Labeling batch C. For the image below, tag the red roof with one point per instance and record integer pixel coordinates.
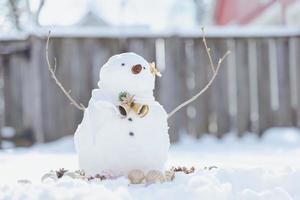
(243, 11)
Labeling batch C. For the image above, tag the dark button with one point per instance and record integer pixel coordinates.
(130, 119)
(131, 133)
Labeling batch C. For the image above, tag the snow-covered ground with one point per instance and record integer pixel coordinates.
(247, 169)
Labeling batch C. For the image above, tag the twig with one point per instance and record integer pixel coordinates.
(215, 73)
(15, 12)
(52, 70)
(38, 12)
(208, 51)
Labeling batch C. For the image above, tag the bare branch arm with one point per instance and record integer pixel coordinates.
(208, 51)
(215, 73)
(15, 12)
(37, 14)
(52, 70)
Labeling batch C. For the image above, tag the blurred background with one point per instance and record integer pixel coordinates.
(258, 86)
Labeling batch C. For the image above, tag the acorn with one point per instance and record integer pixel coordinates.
(155, 176)
(136, 176)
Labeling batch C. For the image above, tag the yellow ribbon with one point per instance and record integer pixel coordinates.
(154, 70)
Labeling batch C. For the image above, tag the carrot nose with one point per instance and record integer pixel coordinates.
(136, 69)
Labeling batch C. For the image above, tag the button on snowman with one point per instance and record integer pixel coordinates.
(123, 127)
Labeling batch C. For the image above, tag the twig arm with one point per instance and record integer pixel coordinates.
(52, 70)
(208, 52)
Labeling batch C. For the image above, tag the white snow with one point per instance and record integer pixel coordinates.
(144, 32)
(247, 169)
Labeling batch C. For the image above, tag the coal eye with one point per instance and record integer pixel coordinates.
(144, 67)
(123, 64)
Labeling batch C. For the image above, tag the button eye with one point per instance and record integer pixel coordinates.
(123, 64)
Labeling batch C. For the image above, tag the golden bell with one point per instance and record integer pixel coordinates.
(140, 110)
(124, 109)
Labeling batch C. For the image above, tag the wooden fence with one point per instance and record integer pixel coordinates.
(257, 87)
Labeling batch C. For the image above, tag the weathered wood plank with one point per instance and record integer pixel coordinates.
(232, 84)
(284, 114)
(75, 79)
(52, 97)
(242, 87)
(37, 117)
(172, 86)
(13, 92)
(218, 98)
(198, 67)
(49, 93)
(190, 85)
(264, 89)
(253, 84)
(2, 110)
(145, 47)
(294, 60)
(297, 65)
(26, 87)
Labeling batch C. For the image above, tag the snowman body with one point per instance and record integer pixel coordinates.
(105, 140)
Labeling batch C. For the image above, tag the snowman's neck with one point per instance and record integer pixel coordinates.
(139, 96)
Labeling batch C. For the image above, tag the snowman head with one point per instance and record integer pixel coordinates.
(127, 72)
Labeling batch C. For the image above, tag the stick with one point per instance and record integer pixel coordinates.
(208, 51)
(52, 70)
(215, 73)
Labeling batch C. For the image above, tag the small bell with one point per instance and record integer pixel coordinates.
(124, 110)
(140, 110)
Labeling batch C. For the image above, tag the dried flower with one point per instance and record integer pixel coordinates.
(183, 169)
(60, 173)
(101, 177)
(97, 177)
(210, 167)
(154, 70)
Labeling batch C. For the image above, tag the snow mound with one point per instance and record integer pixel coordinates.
(223, 184)
(245, 168)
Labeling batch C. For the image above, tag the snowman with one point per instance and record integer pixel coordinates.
(123, 127)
